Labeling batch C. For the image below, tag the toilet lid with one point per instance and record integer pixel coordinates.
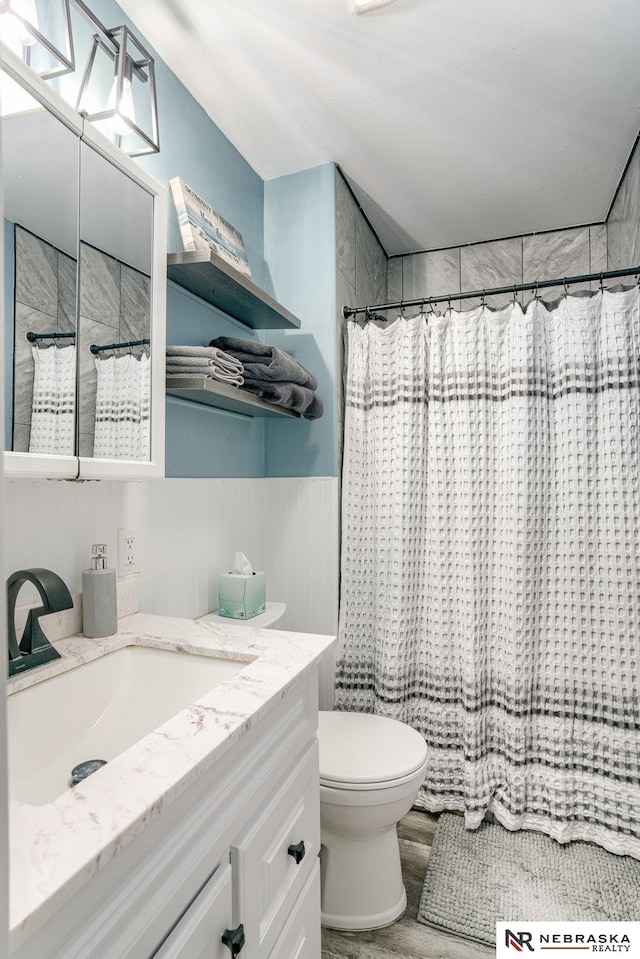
(363, 748)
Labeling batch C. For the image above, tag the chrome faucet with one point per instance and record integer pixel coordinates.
(34, 649)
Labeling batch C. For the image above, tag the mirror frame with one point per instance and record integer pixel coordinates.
(41, 465)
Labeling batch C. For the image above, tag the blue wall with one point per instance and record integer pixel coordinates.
(300, 248)
(295, 237)
(202, 441)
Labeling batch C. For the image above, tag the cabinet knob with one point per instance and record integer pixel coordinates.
(234, 940)
(297, 851)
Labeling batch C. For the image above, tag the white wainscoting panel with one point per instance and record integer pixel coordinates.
(190, 530)
(286, 527)
(52, 524)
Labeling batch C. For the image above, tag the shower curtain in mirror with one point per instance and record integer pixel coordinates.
(53, 405)
(491, 557)
(123, 407)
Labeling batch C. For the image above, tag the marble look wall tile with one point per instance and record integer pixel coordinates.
(346, 212)
(26, 318)
(561, 253)
(36, 281)
(624, 222)
(346, 296)
(431, 274)
(614, 241)
(549, 255)
(394, 278)
(85, 444)
(67, 275)
(486, 265)
(598, 247)
(630, 219)
(135, 305)
(21, 437)
(371, 266)
(99, 286)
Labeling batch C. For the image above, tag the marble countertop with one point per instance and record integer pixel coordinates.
(56, 848)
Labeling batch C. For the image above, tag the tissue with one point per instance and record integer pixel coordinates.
(241, 565)
(241, 592)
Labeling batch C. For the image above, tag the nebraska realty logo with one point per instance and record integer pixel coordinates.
(562, 937)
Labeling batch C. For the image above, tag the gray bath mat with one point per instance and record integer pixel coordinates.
(477, 878)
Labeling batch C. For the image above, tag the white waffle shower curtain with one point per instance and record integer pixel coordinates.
(491, 557)
(123, 407)
(53, 409)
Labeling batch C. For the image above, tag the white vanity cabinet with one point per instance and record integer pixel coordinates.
(198, 935)
(238, 846)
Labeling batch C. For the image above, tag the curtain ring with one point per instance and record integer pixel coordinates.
(515, 294)
(566, 288)
(536, 292)
(602, 282)
(449, 302)
(483, 298)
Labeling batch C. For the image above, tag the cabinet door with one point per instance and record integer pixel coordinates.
(198, 935)
(300, 938)
(40, 143)
(273, 860)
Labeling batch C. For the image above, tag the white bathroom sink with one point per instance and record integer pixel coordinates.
(99, 709)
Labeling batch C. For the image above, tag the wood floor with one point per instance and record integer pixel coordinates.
(406, 938)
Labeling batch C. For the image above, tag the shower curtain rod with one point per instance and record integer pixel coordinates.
(514, 288)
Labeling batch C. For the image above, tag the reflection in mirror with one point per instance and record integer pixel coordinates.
(40, 158)
(116, 231)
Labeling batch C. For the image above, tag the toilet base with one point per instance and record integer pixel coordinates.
(365, 923)
(361, 879)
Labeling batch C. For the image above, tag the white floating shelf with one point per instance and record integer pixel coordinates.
(209, 392)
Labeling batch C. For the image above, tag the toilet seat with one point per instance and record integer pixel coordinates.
(360, 751)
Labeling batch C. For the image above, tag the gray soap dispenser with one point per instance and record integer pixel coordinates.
(99, 596)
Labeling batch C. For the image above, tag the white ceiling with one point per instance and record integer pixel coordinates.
(454, 120)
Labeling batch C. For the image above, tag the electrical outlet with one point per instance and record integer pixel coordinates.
(128, 551)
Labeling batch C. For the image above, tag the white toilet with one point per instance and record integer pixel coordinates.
(371, 769)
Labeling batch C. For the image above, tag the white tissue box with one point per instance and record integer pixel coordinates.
(240, 596)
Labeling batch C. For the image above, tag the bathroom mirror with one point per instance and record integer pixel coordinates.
(40, 167)
(84, 293)
(114, 339)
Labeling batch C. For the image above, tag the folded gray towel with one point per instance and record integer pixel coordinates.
(291, 396)
(196, 373)
(201, 362)
(219, 375)
(267, 363)
(202, 354)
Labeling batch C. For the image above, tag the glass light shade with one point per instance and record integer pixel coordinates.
(123, 112)
(39, 31)
(118, 91)
(16, 23)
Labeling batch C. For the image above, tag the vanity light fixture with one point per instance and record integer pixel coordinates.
(128, 112)
(39, 31)
(364, 6)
